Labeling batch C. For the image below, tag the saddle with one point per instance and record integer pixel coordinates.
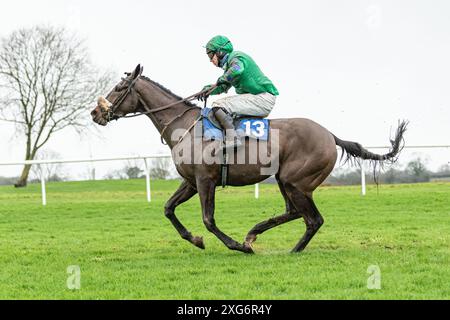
(245, 126)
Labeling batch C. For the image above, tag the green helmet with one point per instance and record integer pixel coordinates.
(219, 43)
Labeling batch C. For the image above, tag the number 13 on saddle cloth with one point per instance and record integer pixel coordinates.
(255, 128)
(248, 110)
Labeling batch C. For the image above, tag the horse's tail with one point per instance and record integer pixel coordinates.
(355, 150)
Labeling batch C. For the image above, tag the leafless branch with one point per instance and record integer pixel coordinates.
(47, 83)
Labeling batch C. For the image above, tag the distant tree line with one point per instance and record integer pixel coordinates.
(162, 168)
(414, 171)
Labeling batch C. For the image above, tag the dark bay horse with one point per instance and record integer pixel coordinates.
(306, 156)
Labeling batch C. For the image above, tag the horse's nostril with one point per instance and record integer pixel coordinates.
(94, 113)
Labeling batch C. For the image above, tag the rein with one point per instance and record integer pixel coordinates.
(114, 106)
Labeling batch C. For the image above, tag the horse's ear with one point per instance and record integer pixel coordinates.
(137, 71)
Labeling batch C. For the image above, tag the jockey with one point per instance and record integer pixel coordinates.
(256, 94)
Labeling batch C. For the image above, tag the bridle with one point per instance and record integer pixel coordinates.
(110, 113)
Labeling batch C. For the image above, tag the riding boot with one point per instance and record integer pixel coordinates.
(226, 121)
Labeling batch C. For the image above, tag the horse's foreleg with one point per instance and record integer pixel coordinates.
(184, 193)
(206, 191)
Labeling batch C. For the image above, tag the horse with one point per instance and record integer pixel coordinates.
(307, 154)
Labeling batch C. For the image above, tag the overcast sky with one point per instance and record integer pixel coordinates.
(354, 66)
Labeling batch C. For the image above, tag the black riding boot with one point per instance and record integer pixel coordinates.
(226, 121)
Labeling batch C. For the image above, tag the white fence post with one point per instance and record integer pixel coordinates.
(44, 195)
(147, 180)
(257, 191)
(363, 179)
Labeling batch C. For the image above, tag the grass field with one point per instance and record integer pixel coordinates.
(126, 248)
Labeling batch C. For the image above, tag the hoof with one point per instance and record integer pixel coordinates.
(198, 242)
(249, 240)
(247, 248)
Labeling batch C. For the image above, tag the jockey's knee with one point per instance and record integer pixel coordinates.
(216, 108)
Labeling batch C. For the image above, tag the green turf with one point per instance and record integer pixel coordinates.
(127, 249)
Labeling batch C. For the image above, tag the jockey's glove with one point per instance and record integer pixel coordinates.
(204, 95)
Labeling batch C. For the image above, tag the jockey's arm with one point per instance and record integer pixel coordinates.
(234, 70)
(232, 73)
(221, 88)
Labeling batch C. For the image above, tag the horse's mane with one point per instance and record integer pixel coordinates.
(168, 91)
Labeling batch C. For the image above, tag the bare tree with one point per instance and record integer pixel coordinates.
(133, 170)
(47, 83)
(418, 170)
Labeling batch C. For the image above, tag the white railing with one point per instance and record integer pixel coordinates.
(144, 158)
(147, 167)
(44, 162)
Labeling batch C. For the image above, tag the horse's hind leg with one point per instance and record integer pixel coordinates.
(269, 224)
(308, 210)
(291, 214)
(183, 194)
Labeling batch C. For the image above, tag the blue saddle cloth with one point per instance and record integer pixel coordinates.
(255, 128)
